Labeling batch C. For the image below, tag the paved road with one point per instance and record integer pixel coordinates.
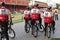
(21, 35)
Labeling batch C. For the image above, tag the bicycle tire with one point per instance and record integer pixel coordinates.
(42, 30)
(35, 31)
(48, 31)
(27, 28)
(13, 33)
(42, 27)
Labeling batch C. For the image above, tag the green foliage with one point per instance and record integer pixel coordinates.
(55, 39)
(17, 18)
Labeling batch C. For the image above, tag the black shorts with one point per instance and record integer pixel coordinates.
(5, 25)
(26, 20)
(33, 21)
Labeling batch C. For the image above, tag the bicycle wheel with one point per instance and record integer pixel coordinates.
(27, 28)
(11, 33)
(35, 31)
(49, 31)
(42, 28)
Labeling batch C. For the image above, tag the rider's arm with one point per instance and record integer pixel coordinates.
(31, 11)
(24, 14)
(10, 17)
(52, 16)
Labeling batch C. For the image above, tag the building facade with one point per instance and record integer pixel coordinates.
(20, 5)
(15, 5)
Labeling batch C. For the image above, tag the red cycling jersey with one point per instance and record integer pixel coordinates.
(27, 14)
(35, 13)
(47, 17)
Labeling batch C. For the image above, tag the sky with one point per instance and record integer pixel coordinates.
(56, 1)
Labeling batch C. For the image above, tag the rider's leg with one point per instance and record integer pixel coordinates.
(6, 30)
(6, 33)
(2, 33)
(53, 24)
(45, 28)
(26, 21)
(40, 21)
(32, 24)
(57, 16)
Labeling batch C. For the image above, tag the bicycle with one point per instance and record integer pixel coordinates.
(49, 30)
(11, 32)
(36, 28)
(27, 26)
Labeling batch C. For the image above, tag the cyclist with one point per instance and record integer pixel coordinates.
(5, 17)
(27, 15)
(35, 15)
(48, 17)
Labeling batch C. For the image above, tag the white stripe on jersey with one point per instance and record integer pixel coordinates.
(35, 10)
(4, 11)
(26, 12)
(48, 14)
